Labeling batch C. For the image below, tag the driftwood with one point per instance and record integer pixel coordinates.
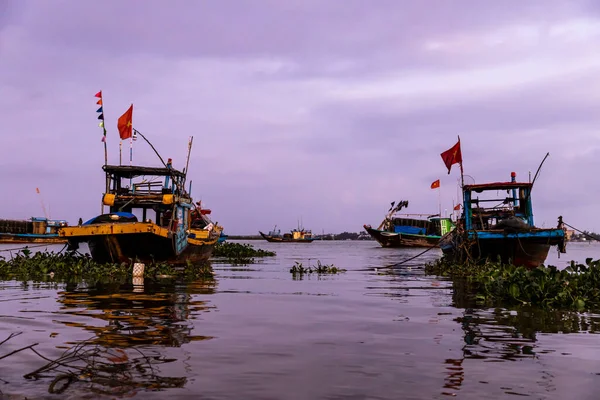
(110, 371)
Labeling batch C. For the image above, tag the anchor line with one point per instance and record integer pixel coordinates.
(409, 259)
(583, 233)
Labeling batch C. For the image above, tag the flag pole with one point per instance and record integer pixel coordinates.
(100, 102)
(120, 152)
(462, 179)
(440, 199)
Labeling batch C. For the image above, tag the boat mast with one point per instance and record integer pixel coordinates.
(187, 161)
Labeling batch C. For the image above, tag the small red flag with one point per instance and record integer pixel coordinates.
(452, 156)
(457, 207)
(125, 124)
(99, 94)
(435, 184)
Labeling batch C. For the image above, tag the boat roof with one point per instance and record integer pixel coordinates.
(131, 171)
(496, 186)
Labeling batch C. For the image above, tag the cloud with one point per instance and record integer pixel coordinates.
(302, 108)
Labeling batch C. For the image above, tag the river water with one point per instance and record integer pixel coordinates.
(256, 332)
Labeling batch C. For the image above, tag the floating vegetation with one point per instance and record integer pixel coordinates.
(238, 253)
(69, 267)
(575, 287)
(299, 269)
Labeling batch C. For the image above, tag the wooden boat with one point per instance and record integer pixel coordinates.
(299, 235)
(504, 230)
(409, 230)
(149, 220)
(35, 230)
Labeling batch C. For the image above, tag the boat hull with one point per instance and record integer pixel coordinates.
(138, 242)
(285, 240)
(31, 238)
(515, 249)
(393, 240)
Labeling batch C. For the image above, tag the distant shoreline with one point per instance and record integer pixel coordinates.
(253, 237)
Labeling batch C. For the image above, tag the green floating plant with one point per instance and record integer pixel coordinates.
(493, 283)
(238, 253)
(69, 267)
(300, 269)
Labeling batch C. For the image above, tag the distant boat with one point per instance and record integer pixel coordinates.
(299, 235)
(501, 226)
(409, 230)
(35, 230)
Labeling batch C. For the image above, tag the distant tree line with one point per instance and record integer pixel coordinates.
(345, 236)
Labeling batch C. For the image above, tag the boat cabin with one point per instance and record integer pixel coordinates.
(432, 225)
(149, 194)
(498, 205)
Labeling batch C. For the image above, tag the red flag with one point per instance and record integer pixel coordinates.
(452, 156)
(435, 184)
(99, 102)
(457, 207)
(99, 94)
(125, 124)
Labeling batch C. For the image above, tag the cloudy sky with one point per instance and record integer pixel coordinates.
(320, 110)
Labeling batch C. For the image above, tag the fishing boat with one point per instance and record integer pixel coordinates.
(34, 230)
(299, 235)
(409, 230)
(503, 230)
(202, 220)
(151, 218)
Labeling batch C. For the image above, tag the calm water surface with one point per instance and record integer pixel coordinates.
(255, 332)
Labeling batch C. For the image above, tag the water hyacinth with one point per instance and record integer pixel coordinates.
(238, 253)
(299, 269)
(575, 287)
(68, 267)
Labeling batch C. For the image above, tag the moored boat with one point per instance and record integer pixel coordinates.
(34, 230)
(504, 230)
(171, 228)
(299, 235)
(409, 230)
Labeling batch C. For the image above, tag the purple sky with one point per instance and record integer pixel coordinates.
(303, 108)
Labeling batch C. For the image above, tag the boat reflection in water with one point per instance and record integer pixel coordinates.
(504, 336)
(133, 328)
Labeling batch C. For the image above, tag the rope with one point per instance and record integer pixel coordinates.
(408, 259)
(583, 233)
(28, 247)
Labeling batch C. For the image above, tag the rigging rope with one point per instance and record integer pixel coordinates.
(408, 259)
(583, 233)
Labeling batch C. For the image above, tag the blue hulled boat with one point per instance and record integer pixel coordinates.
(500, 226)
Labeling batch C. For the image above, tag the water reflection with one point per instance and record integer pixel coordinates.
(131, 325)
(505, 335)
(160, 314)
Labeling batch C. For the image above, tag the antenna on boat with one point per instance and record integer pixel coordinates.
(42, 201)
(187, 160)
(147, 141)
(538, 170)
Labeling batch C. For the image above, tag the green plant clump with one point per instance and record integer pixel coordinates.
(299, 269)
(68, 267)
(575, 287)
(238, 253)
